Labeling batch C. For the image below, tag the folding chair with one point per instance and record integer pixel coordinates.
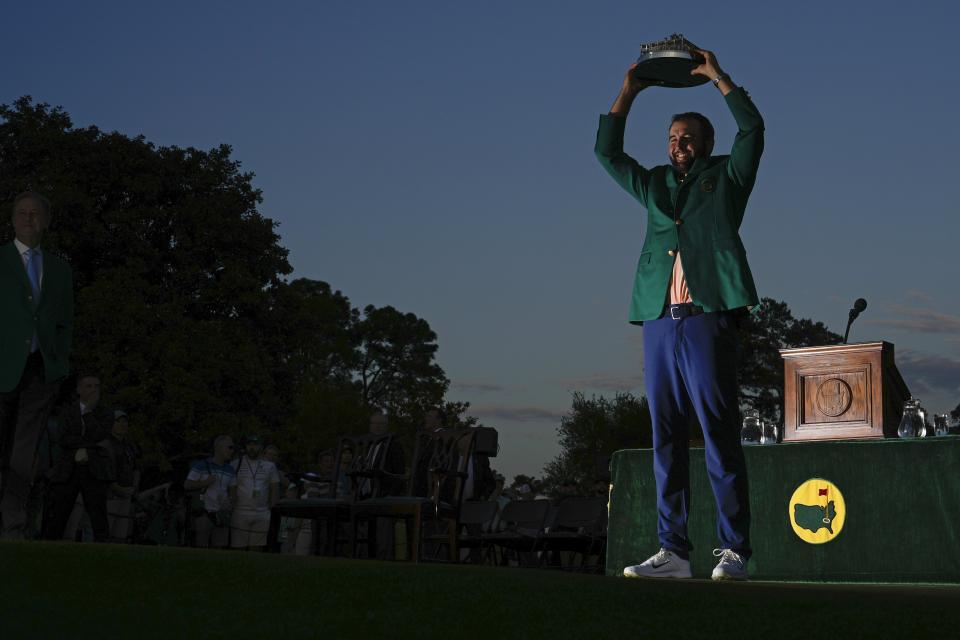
(476, 519)
(577, 528)
(521, 523)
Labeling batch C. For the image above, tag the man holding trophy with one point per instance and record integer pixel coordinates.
(691, 285)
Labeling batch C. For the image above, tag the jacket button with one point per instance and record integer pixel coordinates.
(29, 298)
(678, 221)
(671, 253)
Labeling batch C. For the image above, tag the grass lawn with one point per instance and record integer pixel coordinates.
(64, 590)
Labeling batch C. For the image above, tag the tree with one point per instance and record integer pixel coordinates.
(591, 432)
(526, 485)
(182, 306)
(173, 266)
(760, 369)
(397, 370)
(314, 333)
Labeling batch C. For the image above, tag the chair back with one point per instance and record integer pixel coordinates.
(524, 516)
(363, 472)
(585, 515)
(441, 464)
(478, 514)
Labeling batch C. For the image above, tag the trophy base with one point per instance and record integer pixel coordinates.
(669, 69)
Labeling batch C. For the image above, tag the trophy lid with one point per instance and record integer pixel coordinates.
(668, 62)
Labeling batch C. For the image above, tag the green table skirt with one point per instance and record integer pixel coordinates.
(901, 521)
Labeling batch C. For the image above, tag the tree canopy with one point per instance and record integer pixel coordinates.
(760, 368)
(182, 303)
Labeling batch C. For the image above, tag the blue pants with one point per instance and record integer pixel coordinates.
(691, 365)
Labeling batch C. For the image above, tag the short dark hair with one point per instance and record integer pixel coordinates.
(441, 415)
(692, 116)
(87, 373)
(32, 195)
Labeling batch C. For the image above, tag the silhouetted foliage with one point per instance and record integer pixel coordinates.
(594, 428)
(181, 302)
(760, 369)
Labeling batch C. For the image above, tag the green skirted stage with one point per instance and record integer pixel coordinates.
(896, 518)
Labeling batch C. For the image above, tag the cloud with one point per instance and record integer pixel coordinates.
(606, 382)
(913, 294)
(516, 414)
(477, 387)
(921, 321)
(929, 373)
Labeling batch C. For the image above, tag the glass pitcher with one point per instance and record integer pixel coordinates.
(941, 424)
(750, 433)
(768, 432)
(911, 425)
(925, 430)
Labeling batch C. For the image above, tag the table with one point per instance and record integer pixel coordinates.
(901, 520)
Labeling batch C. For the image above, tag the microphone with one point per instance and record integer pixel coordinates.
(858, 307)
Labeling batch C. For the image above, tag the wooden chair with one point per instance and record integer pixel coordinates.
(364, 474)
(444, 456)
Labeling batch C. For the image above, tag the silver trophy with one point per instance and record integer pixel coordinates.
(668, 62)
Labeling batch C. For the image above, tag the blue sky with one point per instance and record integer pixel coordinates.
(437, 157)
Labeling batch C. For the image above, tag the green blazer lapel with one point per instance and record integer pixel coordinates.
(671, 179)
(698, 166)
(15, 264)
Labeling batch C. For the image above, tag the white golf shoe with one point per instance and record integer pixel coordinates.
(663, 564)
(732, 565)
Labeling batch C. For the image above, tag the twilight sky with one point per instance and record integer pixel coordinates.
(437, 157)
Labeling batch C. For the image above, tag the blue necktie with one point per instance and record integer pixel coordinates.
(33, 272)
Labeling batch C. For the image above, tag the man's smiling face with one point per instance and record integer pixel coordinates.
(685, 144)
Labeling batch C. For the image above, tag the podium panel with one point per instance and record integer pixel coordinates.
(842, 392)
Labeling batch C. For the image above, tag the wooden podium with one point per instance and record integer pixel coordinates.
(842, 391)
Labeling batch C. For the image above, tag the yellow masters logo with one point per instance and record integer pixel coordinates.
(817, 511)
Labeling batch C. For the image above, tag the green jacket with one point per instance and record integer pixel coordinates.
(51, 317)
(709, 205)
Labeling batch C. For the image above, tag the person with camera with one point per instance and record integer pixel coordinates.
(215, 481)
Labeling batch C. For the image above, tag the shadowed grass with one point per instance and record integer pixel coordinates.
(106, 591)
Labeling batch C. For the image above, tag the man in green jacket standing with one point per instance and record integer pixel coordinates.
(36, 296)
(692, 281)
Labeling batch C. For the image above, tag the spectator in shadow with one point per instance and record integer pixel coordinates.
(480, 482)
(258, 489)
(395, 465)
(85, 467)
(272, 453)
(126, 461)
(216, 480)
(344, 486)
(395, 462)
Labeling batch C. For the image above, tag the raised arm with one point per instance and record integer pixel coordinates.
(748, 145)
(626, 171)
